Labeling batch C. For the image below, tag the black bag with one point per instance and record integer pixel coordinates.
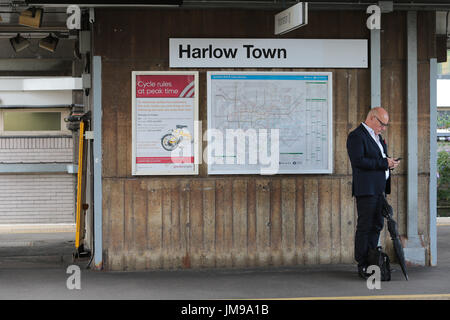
(381, 259)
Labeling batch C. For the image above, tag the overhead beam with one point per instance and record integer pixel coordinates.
(436, 5)
(324, 5)
(11, 28)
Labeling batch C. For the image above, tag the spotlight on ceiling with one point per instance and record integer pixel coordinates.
(31, 17)
(49, 43)
(19, 43)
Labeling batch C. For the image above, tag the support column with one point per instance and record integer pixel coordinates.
(414, 251)
(433, 161)
(375, 73)
(375, 68)
(97, 127)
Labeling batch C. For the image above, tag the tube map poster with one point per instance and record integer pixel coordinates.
(270, 122)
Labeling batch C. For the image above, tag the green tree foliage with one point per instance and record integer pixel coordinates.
(443, 164)
(443, 120)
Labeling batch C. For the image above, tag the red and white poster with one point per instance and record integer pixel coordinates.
(165, 113)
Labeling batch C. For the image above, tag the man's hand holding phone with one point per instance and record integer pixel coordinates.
(393, 163)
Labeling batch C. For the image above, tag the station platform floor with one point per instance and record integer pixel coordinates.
(33, 265)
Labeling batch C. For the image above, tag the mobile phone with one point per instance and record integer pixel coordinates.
(398, 159)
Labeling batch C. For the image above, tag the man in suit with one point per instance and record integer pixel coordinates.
(371, 179)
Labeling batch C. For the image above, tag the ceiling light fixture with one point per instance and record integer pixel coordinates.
(19, 43)
(31, 17)
(49, 43)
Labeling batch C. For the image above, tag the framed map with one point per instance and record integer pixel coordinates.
(269, 122)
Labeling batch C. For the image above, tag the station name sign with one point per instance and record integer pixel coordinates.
(267, 53)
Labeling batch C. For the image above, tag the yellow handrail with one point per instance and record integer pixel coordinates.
(79, 182)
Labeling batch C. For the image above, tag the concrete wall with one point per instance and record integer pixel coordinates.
(248, 220)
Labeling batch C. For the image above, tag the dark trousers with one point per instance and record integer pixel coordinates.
(369, 225)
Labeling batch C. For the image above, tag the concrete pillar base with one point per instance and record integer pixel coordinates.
(414, 252)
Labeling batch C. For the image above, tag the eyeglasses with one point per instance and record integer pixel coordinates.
(382, 123)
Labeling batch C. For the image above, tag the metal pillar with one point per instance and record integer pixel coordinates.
(433, 161)
(375, 68)
(375, 73)
(414, 252)
(97, 127)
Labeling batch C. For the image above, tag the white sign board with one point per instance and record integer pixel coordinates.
(268, 53)
(269, 122)
(164, 116)
(291, 18)
(443, 92)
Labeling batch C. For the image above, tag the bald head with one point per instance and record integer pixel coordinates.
(377, 119)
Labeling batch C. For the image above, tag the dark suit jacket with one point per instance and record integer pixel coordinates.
(368, 164)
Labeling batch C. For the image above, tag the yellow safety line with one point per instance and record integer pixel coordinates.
(380, 297)
(79, 181)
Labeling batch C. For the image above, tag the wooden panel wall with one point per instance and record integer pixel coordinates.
(247, 220)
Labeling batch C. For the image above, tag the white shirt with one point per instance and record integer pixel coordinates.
(377, 140)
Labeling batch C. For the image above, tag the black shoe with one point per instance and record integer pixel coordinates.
(362, 272)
